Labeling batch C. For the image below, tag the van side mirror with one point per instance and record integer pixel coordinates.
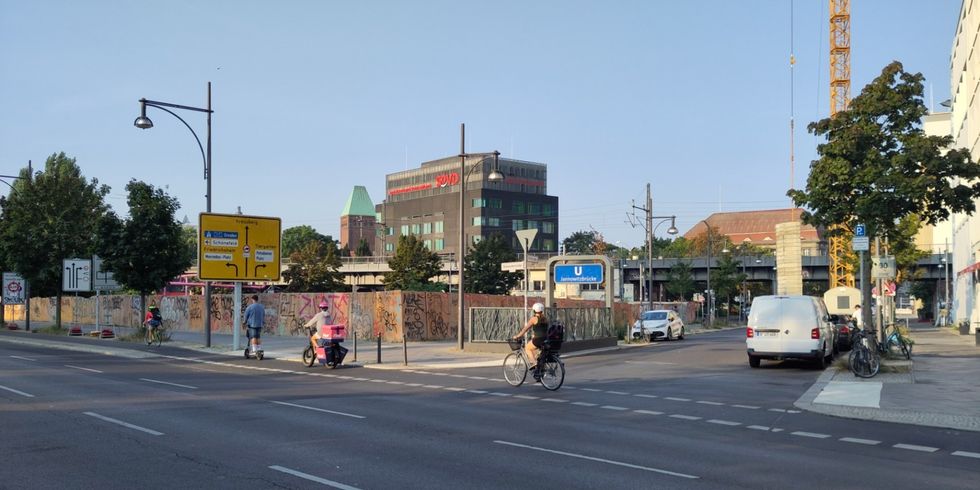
(826, 318)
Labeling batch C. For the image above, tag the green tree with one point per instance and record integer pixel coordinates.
(878, 167)
(49, 217)
(697, 246)
(483, 274)
(188, 235)
(582, 242)
(412, 266)
(148, 249)
(363, 249)
(727, 279)
(680, 281)
(297, 237)
(314, 268)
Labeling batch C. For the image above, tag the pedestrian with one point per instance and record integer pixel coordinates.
(254, 319)
(858, 319)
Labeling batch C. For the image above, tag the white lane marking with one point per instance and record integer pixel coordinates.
(600, 460)
(614, 407)
(913, 447)
(649, 412)
(318, 409)
(458, 375)
(776, 429)
(24, 358)
(750, 407)
(555, 400)
(810, 434)
(475, 377)
(758, 427)
(413, 384)
(685, 417)
(453, 388)
(21, 393)
(724, 422)
(435, 387)
(794, 411)
(591, 389)
(585, 404)
(781, 410)
(168, 383)
(855, 440)
(641, 395)
(437, 374)
(396, 382)
(617, 393)
(526, 397)
(124, 424)
(83, 368)
(317, 479)
(717, 404)
(966, 454)
(676, 399)
(497, 393)
(377, 381)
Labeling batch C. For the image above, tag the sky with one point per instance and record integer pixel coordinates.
(312, 98)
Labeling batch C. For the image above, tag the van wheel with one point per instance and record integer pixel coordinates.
(754, 361)
(822, 360)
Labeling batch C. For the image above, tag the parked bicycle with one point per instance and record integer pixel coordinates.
(549, 369)
(897, 343)
(864, 360)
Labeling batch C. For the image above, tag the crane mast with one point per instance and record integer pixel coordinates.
(841, 269)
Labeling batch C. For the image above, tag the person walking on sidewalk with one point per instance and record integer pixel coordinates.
(858, 319)
(254, 319)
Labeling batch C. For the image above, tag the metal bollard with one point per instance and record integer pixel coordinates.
(379, 347)
(405, 349)
(355, 345)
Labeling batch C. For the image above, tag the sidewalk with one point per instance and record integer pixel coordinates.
(940, 389)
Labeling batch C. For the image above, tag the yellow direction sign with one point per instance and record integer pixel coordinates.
(236, 247)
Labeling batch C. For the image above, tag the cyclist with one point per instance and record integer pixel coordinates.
(538, 325)
(153, 320)
(254, 319)
(321, 318)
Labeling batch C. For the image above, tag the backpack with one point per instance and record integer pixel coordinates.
(555, 335)
(157, 318)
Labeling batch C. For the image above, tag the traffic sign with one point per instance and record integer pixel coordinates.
(859, 230)
(13, 289)
(860, 243)
(236, 247)
(102, 278)
(579, 274)
(883, 267)
(76, 275)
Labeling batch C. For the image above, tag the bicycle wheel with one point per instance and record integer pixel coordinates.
(515, 369)
(552, 373)
(906, 349)
(309, 356)
(158, 336)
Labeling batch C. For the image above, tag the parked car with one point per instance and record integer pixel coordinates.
(658, 324)
(789, 327)
(845, 331)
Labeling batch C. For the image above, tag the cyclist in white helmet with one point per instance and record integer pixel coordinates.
(538, 325)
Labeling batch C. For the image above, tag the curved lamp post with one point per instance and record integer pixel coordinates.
(144, 122)
(494, 176)
(707, 268)
(673, 231)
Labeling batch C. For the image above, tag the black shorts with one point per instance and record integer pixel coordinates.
(537, 342)
(254, 333)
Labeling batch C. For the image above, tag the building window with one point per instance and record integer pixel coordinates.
(547, 227)
(518, 207)
(517, 224)
(390, 231)
(440, 244)
(404, 230)
(537, 286)
(427, 244)
(547, 210)
(438, 226)
(496, 203)
(426, 228)
(479, 203)
(477, 220)
(416, 229)
(548, 245)
(491, 221)
(389, 247)
(534, 209)
(532, 225)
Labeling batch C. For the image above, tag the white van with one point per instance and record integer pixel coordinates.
(789, 327)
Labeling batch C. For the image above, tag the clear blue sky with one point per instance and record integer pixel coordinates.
(314, 97)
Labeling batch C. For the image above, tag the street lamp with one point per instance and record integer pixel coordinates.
(27, 284)
(707, 268)
(495, 176)
(673, 231)
(144, 122)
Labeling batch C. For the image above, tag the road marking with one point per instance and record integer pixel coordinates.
(453, 388)
(600, 460)
(21, 393)
(674, 398)
(377, 381)
(649, 412)
(318, 409)
(810, 434)
(83, 368)
(724, 422)
(966, 454)
(641, 395)
(685, 417)
(913, 447)
(776, 429)
(781, 410)
(124, 424)
(717, 404)
(497, 393)
(759, 427)
(555, 400)
(750, 407)
(435, 387)
(591, 389)
(585, 404)
(478, 392)
(24, 358)
(526, 397)
(855, 440)
(413, 384)
(396, 382)
(168, 383)
(614, 407)
(458, 375)
(617, 393)
(317, 479)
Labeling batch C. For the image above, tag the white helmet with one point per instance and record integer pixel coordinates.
(537, 307)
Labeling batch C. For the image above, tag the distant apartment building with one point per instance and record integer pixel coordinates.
(425, 202)
(357, 221)
(758, 228)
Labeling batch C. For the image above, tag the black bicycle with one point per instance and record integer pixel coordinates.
(864, 360)
(549, 370)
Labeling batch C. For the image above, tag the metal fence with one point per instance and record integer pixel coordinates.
(499, 324)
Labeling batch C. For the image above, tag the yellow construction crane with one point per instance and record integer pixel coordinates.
(841, 269)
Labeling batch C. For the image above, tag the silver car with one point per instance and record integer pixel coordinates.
(658, 324)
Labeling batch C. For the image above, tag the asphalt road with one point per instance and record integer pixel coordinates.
(685, 414)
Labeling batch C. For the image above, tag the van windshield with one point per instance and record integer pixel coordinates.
(654, 315)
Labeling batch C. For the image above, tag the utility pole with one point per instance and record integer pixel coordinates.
(649, 245)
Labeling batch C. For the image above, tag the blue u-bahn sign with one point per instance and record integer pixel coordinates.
(579, 274)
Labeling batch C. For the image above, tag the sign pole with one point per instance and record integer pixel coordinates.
(238, 316)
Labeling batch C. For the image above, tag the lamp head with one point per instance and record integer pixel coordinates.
(495, 175)
(672, 230)
(143, 122)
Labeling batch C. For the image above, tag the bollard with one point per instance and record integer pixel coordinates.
(355, 345)
(379, 347)
(405, 349)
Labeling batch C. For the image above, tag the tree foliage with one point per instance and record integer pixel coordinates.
(482, 266)
(314, 268)
(584, 243)
(295, 238)
(877, 165)
(680, 281)
(149, 248)
(48, 217)
(363, 249)
(412, 266)
(697, 246)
